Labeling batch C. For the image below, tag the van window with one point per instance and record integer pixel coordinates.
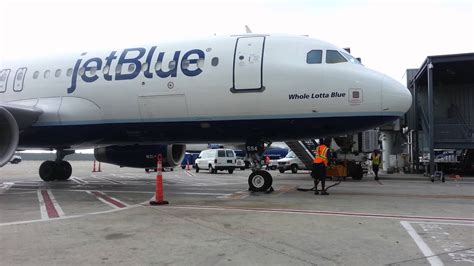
(220, 153)
(334, 57)
(314, 57)
(229, 153)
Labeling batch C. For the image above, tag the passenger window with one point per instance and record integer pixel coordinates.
(334, 57)
(20, 76)
(58, 73)
(69, 72)
(82, 71)
(46, 74)
(36, 75)
(118, 69)
(172, 65)
(215, 61)
(105, 70)
(200, 62)
(314, 57)
(131, 68)
(229, 153)
(220, 153)
(185, 64)
(93, 70)
(144, 66)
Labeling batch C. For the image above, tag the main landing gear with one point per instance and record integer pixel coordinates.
(259, 180)
(58, 169)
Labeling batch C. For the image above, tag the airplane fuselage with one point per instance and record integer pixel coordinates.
(220, 89)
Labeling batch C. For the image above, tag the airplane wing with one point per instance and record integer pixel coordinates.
(24, 116)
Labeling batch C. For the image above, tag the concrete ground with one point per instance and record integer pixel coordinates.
(105, 218)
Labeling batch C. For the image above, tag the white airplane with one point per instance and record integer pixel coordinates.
(131, 104)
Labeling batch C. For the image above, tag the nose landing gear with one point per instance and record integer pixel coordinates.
(259, 180)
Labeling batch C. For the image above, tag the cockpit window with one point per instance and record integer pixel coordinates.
(334, 57)
(314, 57)
(351, 58)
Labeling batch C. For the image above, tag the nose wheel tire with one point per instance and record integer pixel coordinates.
(260, 181)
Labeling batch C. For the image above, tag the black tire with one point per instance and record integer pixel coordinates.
(211, 170)
(242, 168)
(294, 168)
(147, 170)
(358, 172)
(182, 167)
(63, 170)
(260, 181)
(281, 170)
(197, 168)
(231, 171)
(47, 171)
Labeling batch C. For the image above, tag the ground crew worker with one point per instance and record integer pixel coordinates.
(320, 164)
(376, 163)
(267, 162)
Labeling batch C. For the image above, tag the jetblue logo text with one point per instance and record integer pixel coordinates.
(129, 65)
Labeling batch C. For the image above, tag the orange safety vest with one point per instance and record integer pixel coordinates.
(321, 155)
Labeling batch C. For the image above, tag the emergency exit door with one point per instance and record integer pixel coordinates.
(248, 64)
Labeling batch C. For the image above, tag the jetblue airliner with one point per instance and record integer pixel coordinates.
(131, 104)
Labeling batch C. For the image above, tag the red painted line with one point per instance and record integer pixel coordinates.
(52, 212)
(108, 199)
(329, 213)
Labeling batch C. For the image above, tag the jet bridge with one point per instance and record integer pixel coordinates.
(442, 114)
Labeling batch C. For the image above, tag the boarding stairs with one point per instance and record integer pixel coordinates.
(303, 149)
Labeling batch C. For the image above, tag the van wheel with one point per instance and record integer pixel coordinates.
(294, 168)
(281, 170)
(260, 181)
(197, 168)
(211, 170)
(231, 171)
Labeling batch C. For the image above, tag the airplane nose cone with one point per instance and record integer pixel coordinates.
(396, 98)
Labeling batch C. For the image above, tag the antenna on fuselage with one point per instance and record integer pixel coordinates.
(247, 29)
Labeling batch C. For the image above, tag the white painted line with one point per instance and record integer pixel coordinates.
(44, 213)
(430, 256)
(56, 204)
(441, 223)
(110, 201)
(73, 216)
(189, 173)
(5, 186)
(107, 179)
(79, 180)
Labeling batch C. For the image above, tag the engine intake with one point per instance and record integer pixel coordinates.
(141, 156)
(9, 136)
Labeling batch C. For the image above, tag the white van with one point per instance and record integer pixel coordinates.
(290, 162)
(216, 159)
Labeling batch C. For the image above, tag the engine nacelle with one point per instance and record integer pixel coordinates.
(9, 136)
(141, 156)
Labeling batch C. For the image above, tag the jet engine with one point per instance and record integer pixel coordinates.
(9, 136)
(141, 156)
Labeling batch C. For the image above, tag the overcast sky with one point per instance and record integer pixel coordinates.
(389, 36)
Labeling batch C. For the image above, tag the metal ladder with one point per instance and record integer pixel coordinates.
(303, 150)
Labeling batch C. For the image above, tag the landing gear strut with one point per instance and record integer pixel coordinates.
(58, 169)
(259, 180)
